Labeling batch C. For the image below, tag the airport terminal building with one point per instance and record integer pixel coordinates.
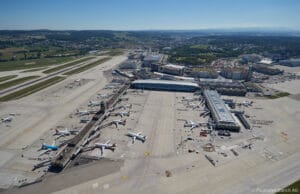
(220, 113)
(165, 85)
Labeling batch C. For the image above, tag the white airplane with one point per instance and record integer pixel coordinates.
(193, 105)
(123, 113)
(193, 124)
(105, 145)
(7, 119)
(110, 87)
(84, 120)
(102, 95)
(94, 103)
(65, 132)
(82, 112)
(119, 122)
(138, 136)
(189, 99)
(247, 103)
(124, 107)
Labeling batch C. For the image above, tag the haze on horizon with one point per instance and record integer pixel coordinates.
(149, 15)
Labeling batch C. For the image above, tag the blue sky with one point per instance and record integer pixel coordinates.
(148, 14)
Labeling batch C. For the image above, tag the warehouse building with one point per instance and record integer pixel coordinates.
(290, 62)
(172, 69)
(237, 73)
(152, 59)
(165, 85)
(221, 115)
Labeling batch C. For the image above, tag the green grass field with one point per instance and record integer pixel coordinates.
(8, 77)
(33, 70)
(16, 82)
(66, 65)
(33, 63)
(279, 95)
(291, 189)
(114, 52)
(32, 89)
(86, 67)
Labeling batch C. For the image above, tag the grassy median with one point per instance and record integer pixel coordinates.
(66, 65)
(16, 82)
(279, 95)
(86, 67)
(293, 188)
(8, 77)
(32, 63)
(32, 89)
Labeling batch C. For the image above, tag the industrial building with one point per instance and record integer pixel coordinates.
(221, 115)
(165, 85)
(172, 69)
(265, 69)
(237, 73)
(203, 72)
(290, 62)
(152, 58)
(130, 64)
(224, 86)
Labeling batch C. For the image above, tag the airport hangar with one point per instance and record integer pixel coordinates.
(221, 115)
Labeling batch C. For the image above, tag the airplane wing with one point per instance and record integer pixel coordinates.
(53, 143)
(133, 139)
(192, 128)
(62, 135)
(107, 142)
(139, 133)
(44, 152)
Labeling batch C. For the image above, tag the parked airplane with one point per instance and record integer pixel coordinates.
(84, 120)
(193, 105)
(193, 124)
(65, 132)
(106, 145)
(48, 148)
(82, 112)
(247, 103)
(189, 99)
(102, 95)
(123, 113)
(124, 107)
(109, 87)
(119, 122)
(138, 136)
(94, 103)
(7, 119)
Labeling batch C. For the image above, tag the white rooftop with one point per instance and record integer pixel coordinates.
(175, 66)
(154, 81)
